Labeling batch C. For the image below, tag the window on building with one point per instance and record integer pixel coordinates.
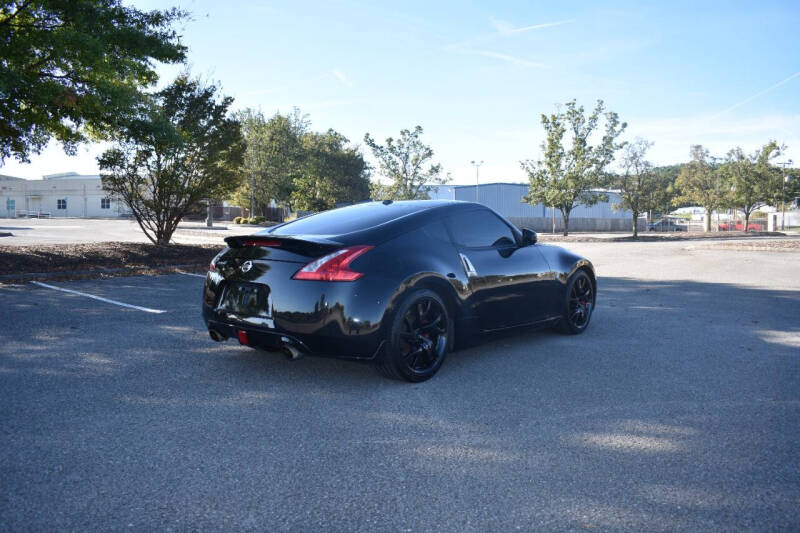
(62, 203)
(105, 203)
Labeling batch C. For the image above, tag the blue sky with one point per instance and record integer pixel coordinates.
(477, 76)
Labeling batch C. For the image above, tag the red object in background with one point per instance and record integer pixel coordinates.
(739, 226)
(243, 337)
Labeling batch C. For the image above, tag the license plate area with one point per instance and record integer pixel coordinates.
(246, 300)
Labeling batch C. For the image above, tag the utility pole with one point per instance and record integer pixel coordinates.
(783, 192)
(477, 166)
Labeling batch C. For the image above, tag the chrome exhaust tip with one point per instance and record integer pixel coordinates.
(291, 352)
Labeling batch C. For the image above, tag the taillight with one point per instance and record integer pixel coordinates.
(213, 266)
(334, 266)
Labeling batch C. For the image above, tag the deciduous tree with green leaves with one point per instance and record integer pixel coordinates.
(568, 175)
(637, 183)
(273, 159)
(750, 177)
(288, 163)
(332, 172)
(71, 68)
(182, 148)
(408, 165)
(700, 182)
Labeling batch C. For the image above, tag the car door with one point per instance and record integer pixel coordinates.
(511, 284)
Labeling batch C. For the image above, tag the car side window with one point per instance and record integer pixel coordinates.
(480, 228)
(436, 231)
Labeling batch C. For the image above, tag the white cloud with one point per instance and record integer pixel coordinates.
(510, 59)
(502, 30)
(506, 28)
(341, 77)
(756, 95)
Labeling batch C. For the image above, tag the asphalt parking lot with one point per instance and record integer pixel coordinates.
(679, 408)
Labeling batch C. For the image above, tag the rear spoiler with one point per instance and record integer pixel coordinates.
(307, 245)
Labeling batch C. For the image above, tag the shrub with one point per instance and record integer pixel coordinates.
(258, 219)
(238, 220)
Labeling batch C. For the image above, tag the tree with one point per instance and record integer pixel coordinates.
(74, 67)
(332, 173)
(568, 176)
(782, 184)
(408, 164)
(181, 149)
(749, 178)
(288, 163)
(638, 184)
(700, 182)
(665, 191)
(273, 159)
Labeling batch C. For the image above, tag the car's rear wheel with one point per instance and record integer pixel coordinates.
(419, 340)
(579, 304)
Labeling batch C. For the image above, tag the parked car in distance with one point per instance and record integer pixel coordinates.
(393, 282)
(666, 224)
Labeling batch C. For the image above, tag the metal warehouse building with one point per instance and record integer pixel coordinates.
(507, 199)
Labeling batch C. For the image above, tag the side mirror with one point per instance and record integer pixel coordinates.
(528, 237)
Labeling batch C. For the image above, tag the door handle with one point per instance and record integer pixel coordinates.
(467, 264)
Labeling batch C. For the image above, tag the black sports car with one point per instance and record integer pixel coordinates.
(393, 282)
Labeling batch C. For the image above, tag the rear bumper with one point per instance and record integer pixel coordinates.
(344, 320)
(272, 339)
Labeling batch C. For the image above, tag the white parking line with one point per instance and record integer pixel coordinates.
(100, 298)
(190, 274)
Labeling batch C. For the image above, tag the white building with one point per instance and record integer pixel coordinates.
(57, 195)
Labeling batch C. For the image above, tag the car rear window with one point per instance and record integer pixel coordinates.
(346, 219)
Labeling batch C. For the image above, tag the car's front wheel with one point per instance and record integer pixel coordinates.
(419, 340)
(579, 304)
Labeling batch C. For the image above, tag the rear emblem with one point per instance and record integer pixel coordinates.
(246, 266)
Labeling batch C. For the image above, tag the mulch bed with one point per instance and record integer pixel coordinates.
(75, 261)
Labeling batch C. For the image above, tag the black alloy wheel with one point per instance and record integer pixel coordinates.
(420, 338)
(579, 304)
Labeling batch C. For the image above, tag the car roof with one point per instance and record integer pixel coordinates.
(383, 216)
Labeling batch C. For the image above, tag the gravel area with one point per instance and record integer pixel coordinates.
(777, 245)
(656, 236)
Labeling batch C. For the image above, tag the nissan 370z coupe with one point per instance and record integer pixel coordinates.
(392, 282)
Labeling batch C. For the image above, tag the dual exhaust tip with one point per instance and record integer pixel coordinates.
(288, 347)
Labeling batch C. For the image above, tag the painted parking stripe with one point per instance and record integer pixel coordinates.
(100, 298)
(190, 274)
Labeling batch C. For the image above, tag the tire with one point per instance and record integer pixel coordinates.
(421, 334)
(578, 304)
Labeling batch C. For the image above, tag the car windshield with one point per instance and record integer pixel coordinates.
(346, 219)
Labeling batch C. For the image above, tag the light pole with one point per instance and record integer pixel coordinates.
(477, 166)
(783, 192)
